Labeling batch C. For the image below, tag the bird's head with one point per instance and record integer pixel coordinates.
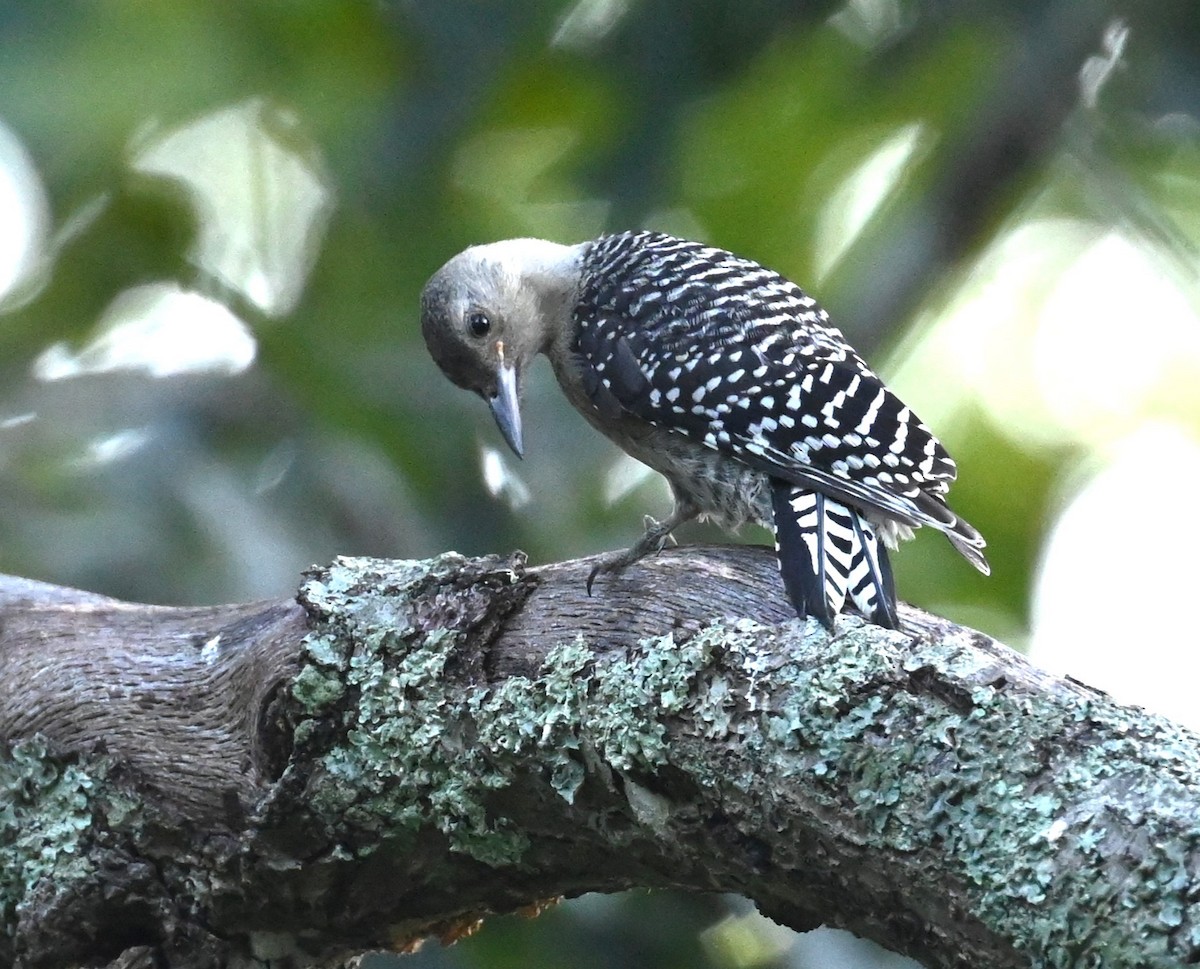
(489, 311)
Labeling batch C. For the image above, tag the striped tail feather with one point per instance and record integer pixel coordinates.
(962, 534)
(829, 552)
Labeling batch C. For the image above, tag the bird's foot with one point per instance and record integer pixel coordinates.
(656, 538)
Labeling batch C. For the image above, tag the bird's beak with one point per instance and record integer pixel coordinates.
(506, 408)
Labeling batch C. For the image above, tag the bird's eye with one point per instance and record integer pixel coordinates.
(478, 323)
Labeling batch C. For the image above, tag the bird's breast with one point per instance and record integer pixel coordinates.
(727, 491)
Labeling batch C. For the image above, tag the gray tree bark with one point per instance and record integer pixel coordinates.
(408, 746)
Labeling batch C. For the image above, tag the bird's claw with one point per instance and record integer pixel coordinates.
(613, 562)
(656, 538)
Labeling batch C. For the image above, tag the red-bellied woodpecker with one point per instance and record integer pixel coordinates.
(724, 377)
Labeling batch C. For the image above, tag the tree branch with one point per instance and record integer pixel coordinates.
(411, 745)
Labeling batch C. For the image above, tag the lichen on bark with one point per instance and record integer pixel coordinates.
(414, 750)
(50, 805)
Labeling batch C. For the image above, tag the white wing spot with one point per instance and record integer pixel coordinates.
(864, 426)
(897, 445)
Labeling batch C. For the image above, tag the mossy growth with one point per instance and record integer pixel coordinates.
(416, 749)
(47, 812)
(1027, 795)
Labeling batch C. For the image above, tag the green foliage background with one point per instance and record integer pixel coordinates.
(435, 125)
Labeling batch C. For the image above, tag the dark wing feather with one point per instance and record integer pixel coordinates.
(741, 360)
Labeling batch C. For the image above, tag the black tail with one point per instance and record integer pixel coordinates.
(828, 552)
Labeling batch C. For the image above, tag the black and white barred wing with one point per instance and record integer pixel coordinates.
(740, 360)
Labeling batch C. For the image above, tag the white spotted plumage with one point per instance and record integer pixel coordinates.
(766, 380)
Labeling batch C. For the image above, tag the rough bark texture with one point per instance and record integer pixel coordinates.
(410, 745)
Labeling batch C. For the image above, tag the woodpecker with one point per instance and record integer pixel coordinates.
(723, 376)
